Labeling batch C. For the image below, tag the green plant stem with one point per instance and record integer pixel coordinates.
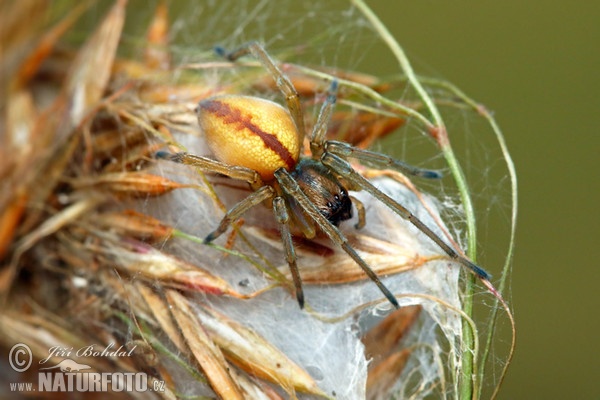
(438, 130)
(514, 211)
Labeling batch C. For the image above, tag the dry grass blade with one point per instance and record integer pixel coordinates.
(16, 38)
(209, 356)
(160, 311)
(91, 69)
(9, 220)
(46, 44)
(140, 259)
(256, 390)
(362, 129)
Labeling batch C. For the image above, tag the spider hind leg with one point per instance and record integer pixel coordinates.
(283, 219)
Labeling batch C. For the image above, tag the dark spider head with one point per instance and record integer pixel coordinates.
(324, 190)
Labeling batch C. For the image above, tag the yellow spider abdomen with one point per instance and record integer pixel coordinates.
(250, 132)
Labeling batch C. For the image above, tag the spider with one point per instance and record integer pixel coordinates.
(258, 141)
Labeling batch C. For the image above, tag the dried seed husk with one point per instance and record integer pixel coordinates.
(255, 355)
(134, 183)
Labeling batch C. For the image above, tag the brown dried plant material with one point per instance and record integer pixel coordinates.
(309, 86)
(9, 221)
(160, 311)
(18, 38)
(113, 142)
(385, 257)
(257, 390)
(136, 184)
(37, 174)
(139, 258)
(92, 67)
(47, 228)
(362, 129)
(46, 44)
(383, 345)
(28, 329)
(254, 354)
(130, 223)
(157, 55)
(385, 337)
(384, 375)
(205, 351)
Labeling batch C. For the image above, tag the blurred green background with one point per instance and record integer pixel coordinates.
(537, 66)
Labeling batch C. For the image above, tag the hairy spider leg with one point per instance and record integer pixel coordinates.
(343, 168)
(291, 188)
(292, 99)
(345, 151)
(317, 137)
(234, 213)
(362, 214)
(263, 193)
(283, 219)
(209, 165)
(319, 145)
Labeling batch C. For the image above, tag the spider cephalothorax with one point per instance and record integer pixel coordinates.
(324, 190)
(258, 141)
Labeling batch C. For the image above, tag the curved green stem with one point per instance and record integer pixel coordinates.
(438, 131)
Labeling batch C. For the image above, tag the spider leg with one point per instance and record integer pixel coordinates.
(284, 84)
(360, 207)
(345, 151)
(343, 168)
(300, 221)
(257, 197)
(317, 139)
(283, 219)
(289, 185)
(209, 165)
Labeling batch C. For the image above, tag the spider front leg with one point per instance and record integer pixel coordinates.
(284, 84)
(319, 145)
(317, 138)
(292, 189)
(377, 160)
(213, 166)
(343, 168)
(262, 194)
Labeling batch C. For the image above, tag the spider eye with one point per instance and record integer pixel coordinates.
(340, 209)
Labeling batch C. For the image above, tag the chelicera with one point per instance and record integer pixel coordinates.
(258, 141)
